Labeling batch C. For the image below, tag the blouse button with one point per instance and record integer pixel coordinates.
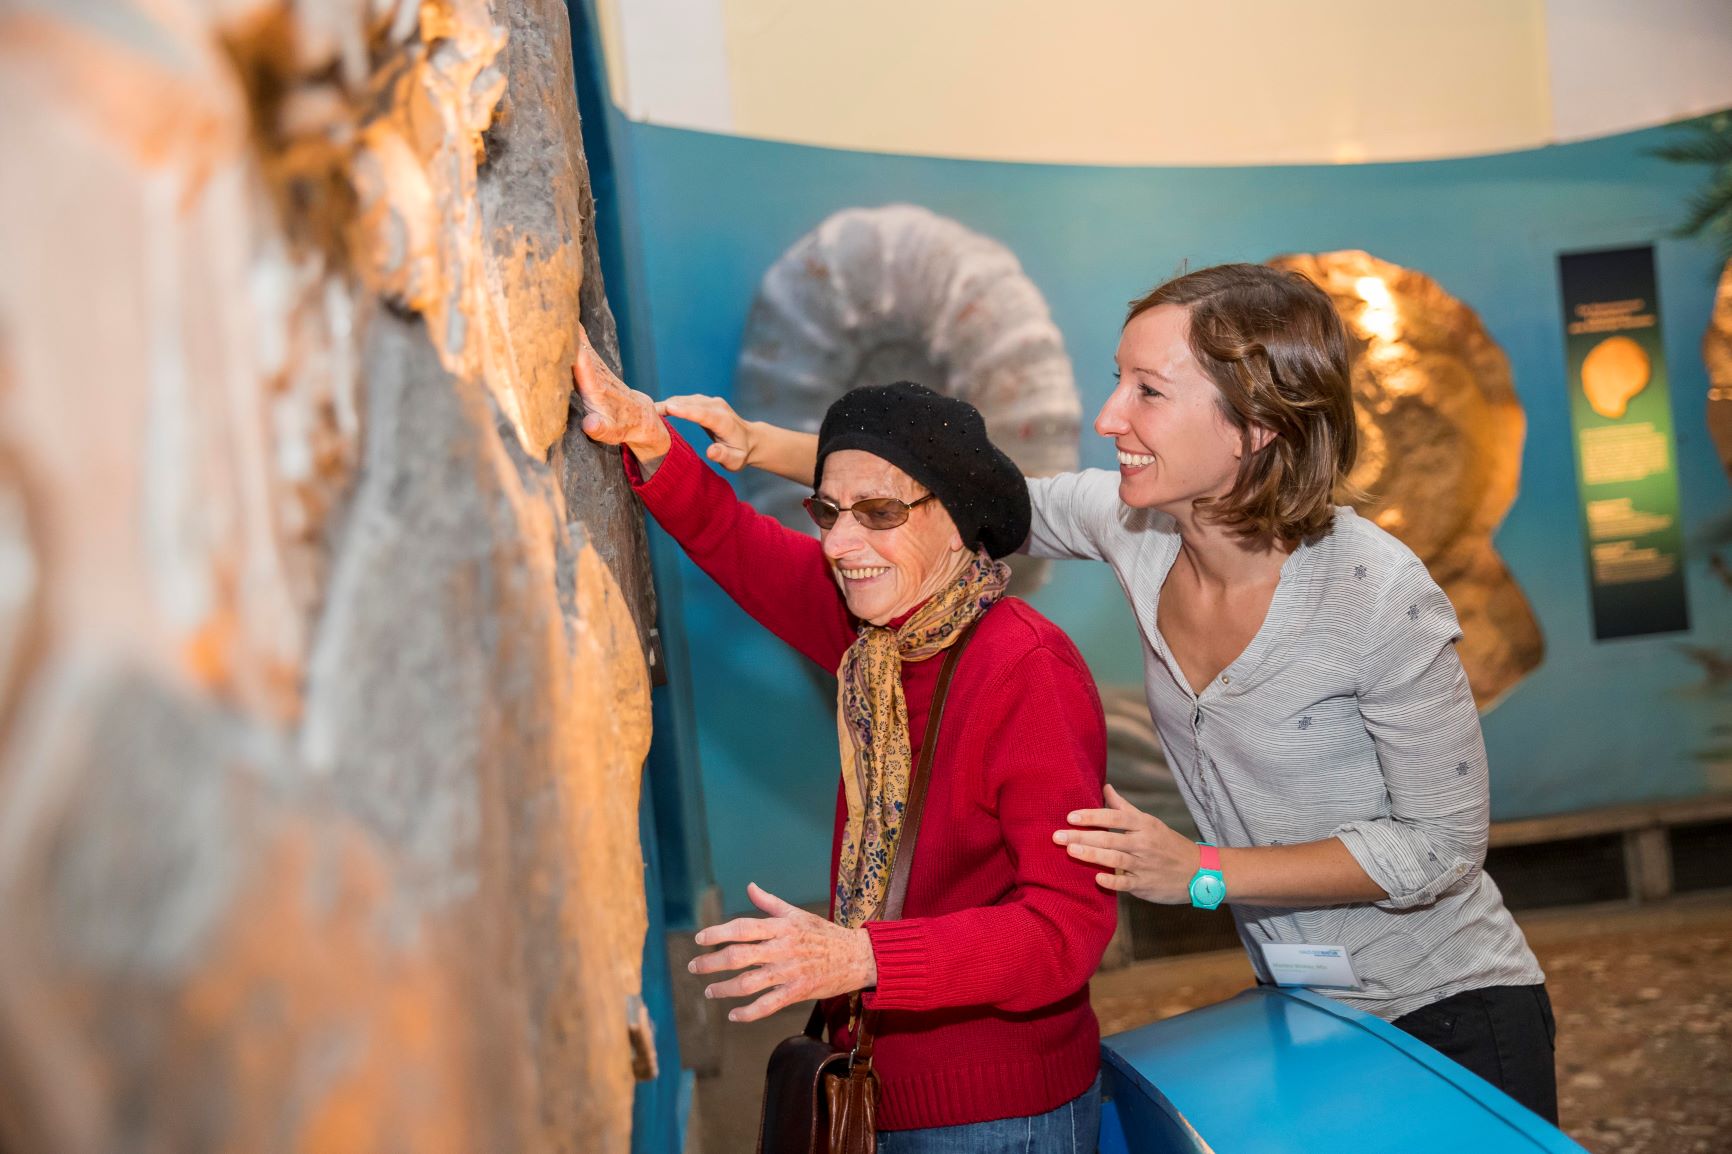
(1225, 680)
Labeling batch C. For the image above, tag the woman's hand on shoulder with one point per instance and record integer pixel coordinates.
(1143, 855)
(614, 412)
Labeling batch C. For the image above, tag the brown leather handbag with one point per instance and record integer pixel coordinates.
(818, 1098)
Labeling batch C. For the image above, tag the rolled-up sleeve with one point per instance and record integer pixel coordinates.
(1072, 514)
(1420, 713)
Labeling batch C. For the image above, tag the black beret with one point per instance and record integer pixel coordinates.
(941, 442)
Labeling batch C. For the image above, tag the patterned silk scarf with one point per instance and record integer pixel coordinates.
(872, 725)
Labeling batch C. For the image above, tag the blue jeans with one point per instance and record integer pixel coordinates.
(1073, 1128)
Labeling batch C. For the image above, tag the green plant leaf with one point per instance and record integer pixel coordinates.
(1709, 211)
(1711, 208)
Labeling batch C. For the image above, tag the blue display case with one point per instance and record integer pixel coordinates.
(1273, 1071)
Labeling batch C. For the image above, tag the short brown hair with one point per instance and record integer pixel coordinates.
(1277, 351)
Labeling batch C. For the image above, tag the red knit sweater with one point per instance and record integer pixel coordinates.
(983, 984)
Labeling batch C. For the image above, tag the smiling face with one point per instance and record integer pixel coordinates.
(883, 573)
(1175, 445)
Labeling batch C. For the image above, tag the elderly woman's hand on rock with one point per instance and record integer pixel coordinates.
(793, 955)
(614, 412)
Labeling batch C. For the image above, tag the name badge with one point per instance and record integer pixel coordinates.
(1303, 964)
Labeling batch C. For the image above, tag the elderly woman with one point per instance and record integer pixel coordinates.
(986, 1040)
(1300, 668)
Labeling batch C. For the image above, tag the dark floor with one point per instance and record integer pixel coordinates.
(1643, 998)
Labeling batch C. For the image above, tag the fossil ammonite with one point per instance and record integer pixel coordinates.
(874, 295)
(1440, 447)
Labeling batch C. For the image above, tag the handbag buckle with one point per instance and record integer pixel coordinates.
(854, 1017)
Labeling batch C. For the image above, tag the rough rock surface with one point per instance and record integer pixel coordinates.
(323, 681)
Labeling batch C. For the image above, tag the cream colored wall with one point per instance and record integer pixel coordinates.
(668, 61)
(1160, 82)
(1135, 82)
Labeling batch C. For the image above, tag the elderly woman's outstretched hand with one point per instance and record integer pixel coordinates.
(614, 412)
(1147, 857)
(793, 955)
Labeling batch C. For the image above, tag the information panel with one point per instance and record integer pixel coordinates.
(1626, 454)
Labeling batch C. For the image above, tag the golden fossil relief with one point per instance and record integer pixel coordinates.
(1717, 352)
(1440, 448)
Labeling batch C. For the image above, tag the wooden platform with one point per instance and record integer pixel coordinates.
(1646, 831)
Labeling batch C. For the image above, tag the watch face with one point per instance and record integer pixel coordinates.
(1207, 890)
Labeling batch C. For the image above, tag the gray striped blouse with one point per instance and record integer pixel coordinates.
(1347, 716)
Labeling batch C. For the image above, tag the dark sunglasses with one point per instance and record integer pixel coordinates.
(872, 513)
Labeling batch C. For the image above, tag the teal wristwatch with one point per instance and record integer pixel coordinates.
(1208, 887)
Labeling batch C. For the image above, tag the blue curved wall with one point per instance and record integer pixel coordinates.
(1598, 723)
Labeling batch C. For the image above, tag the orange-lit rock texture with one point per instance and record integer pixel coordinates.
(323, 681)
(1440, 448)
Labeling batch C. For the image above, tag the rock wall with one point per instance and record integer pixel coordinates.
(323, 634)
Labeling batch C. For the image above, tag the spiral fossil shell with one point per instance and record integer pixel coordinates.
(875, 295)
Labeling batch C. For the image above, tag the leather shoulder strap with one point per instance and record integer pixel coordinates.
(891, 909)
